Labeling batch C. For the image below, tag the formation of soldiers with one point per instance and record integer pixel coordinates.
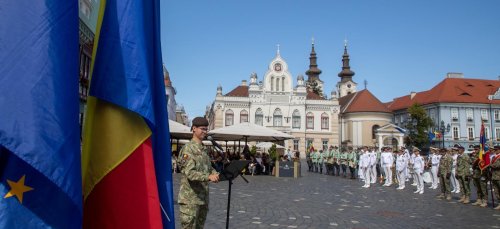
(451, 169)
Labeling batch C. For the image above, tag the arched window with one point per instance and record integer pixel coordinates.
(277, 117)
(243, 116)
(296, 119)
(272, 83)
(374, 129)
(229, 117)
(282, 83)
(259, 117)
(324, 121)
(277, 84)
(310, 121)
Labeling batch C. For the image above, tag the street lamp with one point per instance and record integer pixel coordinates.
(443, 129)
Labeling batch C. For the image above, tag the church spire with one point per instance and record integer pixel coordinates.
(346, 73)
(313, 71)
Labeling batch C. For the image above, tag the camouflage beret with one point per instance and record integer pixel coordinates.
(200, 121)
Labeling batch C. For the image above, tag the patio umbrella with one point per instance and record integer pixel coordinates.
(179, 131)
(248, 132)
(267, 145)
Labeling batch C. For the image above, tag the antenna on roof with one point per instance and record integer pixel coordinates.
(366, 83)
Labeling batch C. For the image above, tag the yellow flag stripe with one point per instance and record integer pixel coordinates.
(111, 134)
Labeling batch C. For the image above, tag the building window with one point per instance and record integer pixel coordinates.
(324, 143)
(486, 133)
(277, 84)
(277, 118)
(296, 144)
(272, 83)
(497, 134)
(456, 133)
(470, 114)
(259, 117)
(324, 121)
(374, 130)
(454, 114)
(401, 118)
(484, 114)
(296, 119)
(243, 116)
(497, 115)
(310, 120)
(470, 133)
(283, 84)
(229, 117)
(432, 114)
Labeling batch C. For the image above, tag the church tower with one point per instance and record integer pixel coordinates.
(313, 72)
(346, 85)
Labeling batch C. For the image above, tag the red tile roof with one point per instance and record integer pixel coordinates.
(451, 90)
(313, 96)
(362, 101)
(240, 91)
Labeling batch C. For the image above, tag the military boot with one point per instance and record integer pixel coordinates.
(466, 200)
(462, 199)
(440, 196)
(448, 196)
(484, 203)
(478, 202)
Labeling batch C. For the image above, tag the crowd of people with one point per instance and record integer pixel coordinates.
(450, 169)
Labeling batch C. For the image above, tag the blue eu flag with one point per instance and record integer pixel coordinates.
(40, 169)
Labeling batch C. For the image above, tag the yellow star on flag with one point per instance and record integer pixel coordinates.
(17, 189)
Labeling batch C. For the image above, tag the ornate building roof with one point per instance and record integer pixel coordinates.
(239, 91)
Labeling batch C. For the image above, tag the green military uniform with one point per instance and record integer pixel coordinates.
(309, 161)
(335, 159)
(495, 176)
(479, 180)
(193, 194)
(463, 173)
(321, 160)
(352, 160)
(315, 157)
(343, 162)
(444, 175)
(329, 161)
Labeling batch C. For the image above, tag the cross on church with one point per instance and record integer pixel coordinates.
(366, 83)
(278, 48)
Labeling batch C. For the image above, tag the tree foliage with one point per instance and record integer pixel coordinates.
(315, 88)
(417, 135)
(273, 153)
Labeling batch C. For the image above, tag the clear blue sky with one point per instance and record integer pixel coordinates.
(397, 46)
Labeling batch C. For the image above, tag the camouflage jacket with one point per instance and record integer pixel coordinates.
(445, 164)
(463, 165)
(476, 171)
(195, 168)
(495, 168)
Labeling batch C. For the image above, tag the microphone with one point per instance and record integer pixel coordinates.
(215, 144)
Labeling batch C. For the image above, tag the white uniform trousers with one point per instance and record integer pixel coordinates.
(454, 181)
(434, 173)
(373, 173)
(401, 175)
(388, 174)
(366, 172)
(419, 180)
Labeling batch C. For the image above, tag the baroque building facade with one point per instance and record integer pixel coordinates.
(277, 103)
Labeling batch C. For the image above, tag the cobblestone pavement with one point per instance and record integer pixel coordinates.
(321, 201)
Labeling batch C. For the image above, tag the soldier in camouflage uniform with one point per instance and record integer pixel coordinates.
(495, 174)
(196, 171)
(463, 173)
(445, 173)
(479, 180)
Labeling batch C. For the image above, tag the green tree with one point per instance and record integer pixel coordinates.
(273, 153)
(315, 88)
(417, 125)
(253, 150)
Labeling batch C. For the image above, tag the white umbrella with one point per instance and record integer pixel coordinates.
(248, 132)
(267, 145)
(179, 131)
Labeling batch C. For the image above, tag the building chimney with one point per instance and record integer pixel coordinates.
(243, 83)
(412, 94)
(454, 75)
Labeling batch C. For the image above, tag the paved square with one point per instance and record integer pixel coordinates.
(321, 201)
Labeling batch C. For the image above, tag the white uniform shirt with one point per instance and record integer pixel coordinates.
(387, 159)
(364, 160)
(401, 162)
(373, 158)
(418, 164)
(435, 159)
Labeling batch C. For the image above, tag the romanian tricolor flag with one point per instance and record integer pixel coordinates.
(126, 158)
(484, 159)
(40, 173)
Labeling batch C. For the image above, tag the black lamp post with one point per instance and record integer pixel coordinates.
(443, 129)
